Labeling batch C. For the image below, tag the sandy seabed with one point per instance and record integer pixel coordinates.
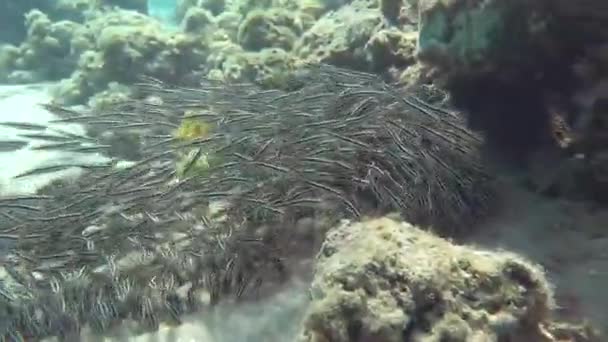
(22, 104)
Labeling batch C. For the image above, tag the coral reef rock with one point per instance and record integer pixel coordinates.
(532, 76)
(12, 13)
(381, 280)
(339, 37)
(92, 46)
(126, 46)
(485, 36)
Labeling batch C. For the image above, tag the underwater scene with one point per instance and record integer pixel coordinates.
(304, 170)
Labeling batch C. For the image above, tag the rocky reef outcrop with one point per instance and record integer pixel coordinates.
(385, 280)
(12, 13)
(532, 76)
(228, 40)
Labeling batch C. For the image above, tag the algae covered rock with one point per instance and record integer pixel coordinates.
(116, 93)
(110, 46)
(270, 28)
(316, 8)
(48, 52)
(271, 68)
(382, 280)
(246, 6)
(229, 22)
(126, 46)
(197, 20)
(12, 13)
(339, 37)
(232, 40)
(11, 16)
(361, 35)
(391, 48)
(226, 60)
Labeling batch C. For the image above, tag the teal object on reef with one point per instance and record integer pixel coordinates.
(163, 10)
(476, 34)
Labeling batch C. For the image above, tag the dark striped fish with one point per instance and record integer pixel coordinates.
(23, 125)
(12, 145)
(57, 168)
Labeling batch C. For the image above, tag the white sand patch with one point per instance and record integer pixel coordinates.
(22, 104)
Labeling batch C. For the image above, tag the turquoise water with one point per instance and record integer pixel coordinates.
(164, 10)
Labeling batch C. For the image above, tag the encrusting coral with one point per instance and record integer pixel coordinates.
(49, 52)
(339, 37)
(109, 45)
(270, 28)
(129, 44)
(383, 280)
